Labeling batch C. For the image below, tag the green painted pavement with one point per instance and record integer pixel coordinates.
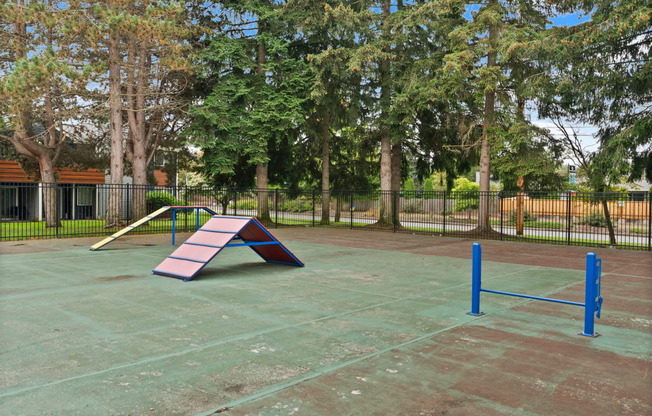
(94, 333)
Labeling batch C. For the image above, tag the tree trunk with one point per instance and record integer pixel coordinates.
(49, 190)
(262, 168)
(261, 184)
(385, 141)
(519, 206)
(396, 180)
(485, 155)
(138, 69)
(338, 208)
(520, 111)
(139, 170)
(325, 170)
(114, 208)
(610, 225)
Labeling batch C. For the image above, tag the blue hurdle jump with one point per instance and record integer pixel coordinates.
(592, 299)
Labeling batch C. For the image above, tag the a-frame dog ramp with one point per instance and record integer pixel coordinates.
(220, 232)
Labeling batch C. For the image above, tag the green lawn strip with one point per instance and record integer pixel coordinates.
(303, 221)
(573, 241)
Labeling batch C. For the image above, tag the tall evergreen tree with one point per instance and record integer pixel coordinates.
(253, 89)
(37, 82)
(498, 32)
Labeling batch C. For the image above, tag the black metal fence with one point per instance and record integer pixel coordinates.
(31, 210)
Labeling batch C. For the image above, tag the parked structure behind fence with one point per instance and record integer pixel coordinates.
(588, 219)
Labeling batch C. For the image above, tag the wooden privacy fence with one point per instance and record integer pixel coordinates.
(631, 210)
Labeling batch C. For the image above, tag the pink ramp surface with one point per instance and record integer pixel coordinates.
(210, 238)
(219, 232)
(179, 268)
(195, 252)
(226, 225)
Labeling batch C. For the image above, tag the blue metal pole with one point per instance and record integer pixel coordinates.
(590, 301)
(518, 295)
(197, 218)
(477, 280)
(174, 217)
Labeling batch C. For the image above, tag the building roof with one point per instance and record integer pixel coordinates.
(10, 171)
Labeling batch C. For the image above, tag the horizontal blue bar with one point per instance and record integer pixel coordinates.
(216, 231)
(253, 243)
(186, 258)
(202, 245)
(518, 295)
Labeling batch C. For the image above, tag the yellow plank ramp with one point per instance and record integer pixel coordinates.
(128, 228)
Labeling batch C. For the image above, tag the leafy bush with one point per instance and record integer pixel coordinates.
(160, 199)
(527, 217)
(465, 185)
(468, 197)
(413, 208)
(247, 204)
(594, 220)
(296, 205)
(637, 231)
(409, 185)
(428, 189)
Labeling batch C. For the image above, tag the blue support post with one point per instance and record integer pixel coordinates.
(590, 295)
(174, 217)
(197, 220)
(477, 281)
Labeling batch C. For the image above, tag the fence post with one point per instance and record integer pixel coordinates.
(649, 221)
(128, 205)
(476, 283)
(174, 216)
(395, 210)
(185, 203)
(351, 209)
(276, 208)
(313, 207)
(568, 219)
(590, 301)
(235, 202)
(445, 192)
(56, 207)
(500, 196)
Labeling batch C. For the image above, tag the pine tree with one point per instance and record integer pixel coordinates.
(38, 77)
(498, 33)
(255, 89)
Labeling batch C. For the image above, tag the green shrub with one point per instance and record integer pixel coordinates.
(413, 208)
(247, 204)
(428, 189)
(160, 199)
(409, 185)
(637, 231)
(296, 205)
(468, 197)
(594, 220)
(465, 185)
(527, 217)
